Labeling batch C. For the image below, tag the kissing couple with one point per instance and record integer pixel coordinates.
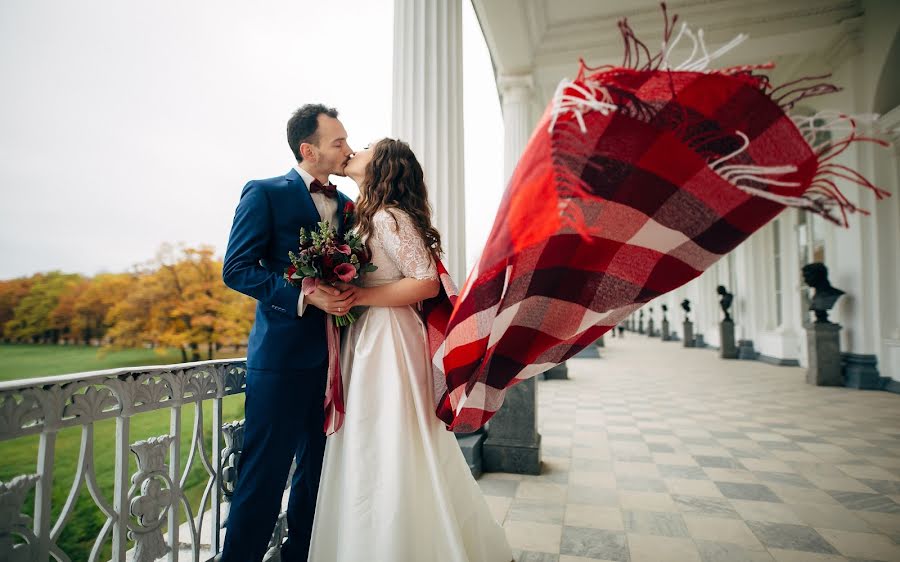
(391, 485)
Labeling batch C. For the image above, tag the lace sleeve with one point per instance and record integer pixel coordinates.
(403, 244)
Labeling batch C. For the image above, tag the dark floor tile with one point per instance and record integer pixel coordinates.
(749, 454)
(655, 523)
(874, 451)
(807, 439)
(728, 434)
(714, 507)
(718, 462)
(747, 491)
(529, 556)
(680, 471)
(859, 501)
(889, 487)
(790, 537)
(594, 543)
(786, 478)
(725, 552)
(780, 445)
(700, 441)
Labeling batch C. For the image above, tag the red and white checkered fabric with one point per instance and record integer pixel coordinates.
(634, 182)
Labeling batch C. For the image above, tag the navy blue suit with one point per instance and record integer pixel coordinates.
(286, 369)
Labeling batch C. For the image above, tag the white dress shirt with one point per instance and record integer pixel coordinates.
(327, 207)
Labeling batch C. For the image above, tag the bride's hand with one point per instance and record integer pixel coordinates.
(358, 292)
(333, 300)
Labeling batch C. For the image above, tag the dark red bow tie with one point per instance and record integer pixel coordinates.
(329, 190)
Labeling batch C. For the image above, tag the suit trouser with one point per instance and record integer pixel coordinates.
(284, 418)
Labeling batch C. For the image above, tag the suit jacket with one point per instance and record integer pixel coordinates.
(266, 227)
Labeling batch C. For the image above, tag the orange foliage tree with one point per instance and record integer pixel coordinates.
(176, 300)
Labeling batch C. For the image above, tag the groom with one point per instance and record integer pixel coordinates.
(287, 351)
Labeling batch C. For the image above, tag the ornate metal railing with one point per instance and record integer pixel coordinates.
(149, 510)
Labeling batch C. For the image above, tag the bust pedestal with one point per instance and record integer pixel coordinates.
(824, 354)
(727, 349)
(688, 328)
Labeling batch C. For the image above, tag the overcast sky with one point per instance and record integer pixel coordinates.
(124, 125)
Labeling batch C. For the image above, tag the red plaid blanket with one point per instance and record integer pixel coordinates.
(636, 180)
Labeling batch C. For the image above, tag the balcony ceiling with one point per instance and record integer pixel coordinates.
(546, 38)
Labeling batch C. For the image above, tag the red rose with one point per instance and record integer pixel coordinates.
(349, 207)
(291, 270)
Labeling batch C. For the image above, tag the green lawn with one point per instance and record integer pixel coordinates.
(20, 455)
(23, 361)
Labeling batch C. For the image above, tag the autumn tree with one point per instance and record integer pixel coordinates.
(179, 300)
(12, 291)
(87, 305)
(32, 320)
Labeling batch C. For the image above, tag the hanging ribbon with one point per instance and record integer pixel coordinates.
(334, 386)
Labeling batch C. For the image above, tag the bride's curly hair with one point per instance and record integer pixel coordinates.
(394, 180)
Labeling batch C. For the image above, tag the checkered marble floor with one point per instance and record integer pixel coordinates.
(657, 453)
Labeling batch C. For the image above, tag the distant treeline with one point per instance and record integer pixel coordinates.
(176, 300)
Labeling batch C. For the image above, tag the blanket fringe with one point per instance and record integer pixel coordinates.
(575, 98)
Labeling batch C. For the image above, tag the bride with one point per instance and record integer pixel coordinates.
(395, 486)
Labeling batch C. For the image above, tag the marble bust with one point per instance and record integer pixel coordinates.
(686, 307)
(725, 301)
(816, 276)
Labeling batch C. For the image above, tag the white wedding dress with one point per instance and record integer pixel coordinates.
(395, 486)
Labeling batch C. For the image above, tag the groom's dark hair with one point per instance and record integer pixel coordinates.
(303, 126)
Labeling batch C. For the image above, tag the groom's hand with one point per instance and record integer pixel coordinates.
(333, 300)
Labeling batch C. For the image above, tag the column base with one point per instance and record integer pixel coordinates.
(861, 371)
(746, 351)
(471, 445)
(500, 455)
(558, 373)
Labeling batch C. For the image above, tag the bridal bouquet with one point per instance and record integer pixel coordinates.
(325, 257)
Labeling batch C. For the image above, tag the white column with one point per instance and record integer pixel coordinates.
(513, 443)
(428, 111)
(517, 98)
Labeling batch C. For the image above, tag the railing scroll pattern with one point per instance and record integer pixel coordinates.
(148, 508)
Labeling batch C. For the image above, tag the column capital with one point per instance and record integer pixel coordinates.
(515, 87)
